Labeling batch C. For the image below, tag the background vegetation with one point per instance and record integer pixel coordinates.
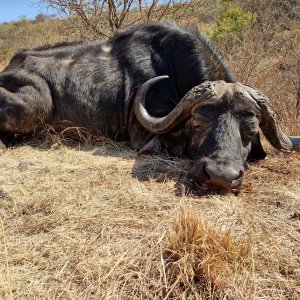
(96, 221)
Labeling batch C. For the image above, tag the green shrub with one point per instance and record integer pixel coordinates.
(232, 24)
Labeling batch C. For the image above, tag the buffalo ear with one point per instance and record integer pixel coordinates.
(257, 151)
(175, 142)
(152, 147)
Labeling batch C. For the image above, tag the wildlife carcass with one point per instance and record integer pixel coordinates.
(157, 85)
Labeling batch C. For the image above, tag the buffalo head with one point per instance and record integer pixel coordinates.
(217, 125)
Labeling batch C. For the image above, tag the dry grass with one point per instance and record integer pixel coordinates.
(3, 65)
(273, 67)
(100, 222)
(202, 262)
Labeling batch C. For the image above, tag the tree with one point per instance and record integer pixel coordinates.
(102, 18)
(41, 17)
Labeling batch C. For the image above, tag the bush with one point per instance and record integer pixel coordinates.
(232, 24)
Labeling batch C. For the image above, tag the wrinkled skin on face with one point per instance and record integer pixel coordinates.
(219, 137)
(217, 125)
(219, 140)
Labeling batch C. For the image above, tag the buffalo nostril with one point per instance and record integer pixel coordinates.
(222, 175)
(241, 174)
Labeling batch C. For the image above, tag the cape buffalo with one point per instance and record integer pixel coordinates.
(157, 85)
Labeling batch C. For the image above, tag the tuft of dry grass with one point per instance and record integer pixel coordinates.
(203, 262)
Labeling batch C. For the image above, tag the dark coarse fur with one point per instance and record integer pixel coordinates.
(91, 84)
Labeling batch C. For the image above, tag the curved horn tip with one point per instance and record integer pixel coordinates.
(159, 78)
(163, 76)
(146, 85)
(296, 142)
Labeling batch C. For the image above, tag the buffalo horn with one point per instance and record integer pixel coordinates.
(270, 126)
(160, 125)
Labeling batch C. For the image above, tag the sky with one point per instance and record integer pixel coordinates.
(12, 10)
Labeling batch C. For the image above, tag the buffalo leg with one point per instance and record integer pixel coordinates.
(25, 103)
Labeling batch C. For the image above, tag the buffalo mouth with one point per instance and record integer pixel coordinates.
(234, 187)
(208, 175)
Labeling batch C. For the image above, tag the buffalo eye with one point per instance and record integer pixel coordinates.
(249, 124)
(250, 133)
(249, 129)
(199, 122)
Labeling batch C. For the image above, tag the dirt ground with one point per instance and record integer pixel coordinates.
(100, 222)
